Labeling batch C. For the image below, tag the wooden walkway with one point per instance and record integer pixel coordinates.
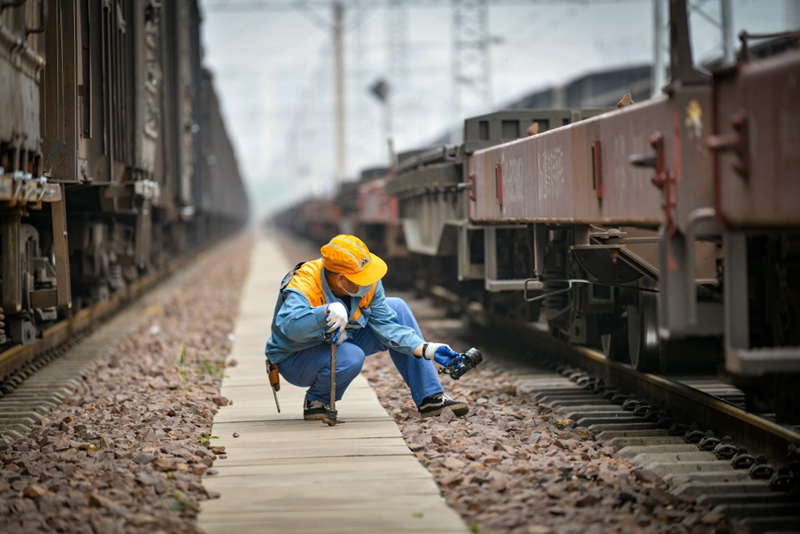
(285, 475)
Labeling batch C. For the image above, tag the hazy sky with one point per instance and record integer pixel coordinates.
(273, 73)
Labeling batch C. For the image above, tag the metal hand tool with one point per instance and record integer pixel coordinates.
(274, 382)
(460, 365)
(332, 413)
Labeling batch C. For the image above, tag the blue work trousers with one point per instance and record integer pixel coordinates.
(311, 368)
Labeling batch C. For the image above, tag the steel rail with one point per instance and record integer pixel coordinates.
(249, 6)
(15, 358)
(692, 405)
(686, 403)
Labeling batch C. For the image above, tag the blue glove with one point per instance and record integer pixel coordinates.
(340, 337)
(441, 353)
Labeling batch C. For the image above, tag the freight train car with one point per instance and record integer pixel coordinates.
(113, 153)
(755, 144)
(359, 207)
(433, 187)
(664, 233)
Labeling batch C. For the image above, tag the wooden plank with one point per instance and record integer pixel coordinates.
(284, 474)
(364, 521)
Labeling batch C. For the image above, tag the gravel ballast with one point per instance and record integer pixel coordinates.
(509, 466)
(125, 453)
(512, 466)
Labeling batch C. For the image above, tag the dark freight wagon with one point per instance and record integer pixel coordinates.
(113, 152)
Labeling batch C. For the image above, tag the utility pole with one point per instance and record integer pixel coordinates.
(792, 10)
(396, 114)
(382, 91)
(361, 127)
(726, 25)
(659, 74)
(339, 96)
(661, 32)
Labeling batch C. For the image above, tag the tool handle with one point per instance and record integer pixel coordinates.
(333, 378)
(274, 377)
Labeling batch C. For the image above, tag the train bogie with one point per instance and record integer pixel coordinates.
(34, 262)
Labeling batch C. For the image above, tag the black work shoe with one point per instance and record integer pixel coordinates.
(435, 404)
(315, 410)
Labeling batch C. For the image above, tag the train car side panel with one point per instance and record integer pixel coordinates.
(554, 176)
(758, 135)
(628, 193)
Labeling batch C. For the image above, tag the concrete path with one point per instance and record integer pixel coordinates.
(286, 475)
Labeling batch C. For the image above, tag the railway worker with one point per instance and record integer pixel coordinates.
(339, 297)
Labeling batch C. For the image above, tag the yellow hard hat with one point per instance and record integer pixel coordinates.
(348, 255)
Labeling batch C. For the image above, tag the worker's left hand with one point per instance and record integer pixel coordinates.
(429, 350)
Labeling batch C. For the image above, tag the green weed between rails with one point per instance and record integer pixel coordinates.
(205, 436)
(183, 369)
(184, 503)
(213, 369)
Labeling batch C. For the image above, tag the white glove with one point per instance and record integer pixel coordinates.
(430, 349)
(336, 319)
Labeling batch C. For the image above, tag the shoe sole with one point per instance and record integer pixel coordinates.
(432, 413)
(315, 417)
(460, 410)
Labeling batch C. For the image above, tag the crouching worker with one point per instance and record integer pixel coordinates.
(339, 298)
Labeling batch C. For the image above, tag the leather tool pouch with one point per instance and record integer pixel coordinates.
(274, 377)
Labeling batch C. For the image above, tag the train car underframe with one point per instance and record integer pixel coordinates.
(762, 314)
(110, 238)
(593, 286)
(601, 287)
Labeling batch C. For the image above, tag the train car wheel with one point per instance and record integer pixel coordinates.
(615, 346)
(644, 345)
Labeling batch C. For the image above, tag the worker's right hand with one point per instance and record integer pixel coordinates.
(444, 352)
(340, 337)
(336, 319)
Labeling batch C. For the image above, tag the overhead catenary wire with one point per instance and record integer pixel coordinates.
(289, 5)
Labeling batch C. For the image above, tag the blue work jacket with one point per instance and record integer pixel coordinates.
(296, 325)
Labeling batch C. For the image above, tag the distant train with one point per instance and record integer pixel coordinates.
(665, 233)
(113, 154)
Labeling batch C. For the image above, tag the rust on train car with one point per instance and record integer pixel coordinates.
(552, 177)
(524, 180)
(628, 192)
(21, 62)
(757, 139)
